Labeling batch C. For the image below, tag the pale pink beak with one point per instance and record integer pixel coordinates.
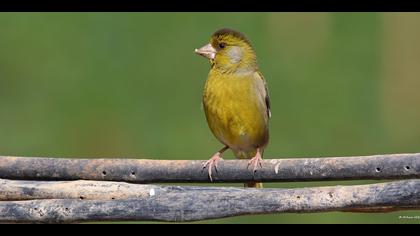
(206, 51)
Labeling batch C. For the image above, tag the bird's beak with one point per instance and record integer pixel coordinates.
(206, 51)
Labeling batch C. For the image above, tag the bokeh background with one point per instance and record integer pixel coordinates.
(128, 85)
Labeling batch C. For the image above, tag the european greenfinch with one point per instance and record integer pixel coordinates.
(235, 99)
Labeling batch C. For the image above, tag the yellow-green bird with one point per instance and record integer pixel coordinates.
(235, 99)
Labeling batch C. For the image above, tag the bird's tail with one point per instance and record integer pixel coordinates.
(248, 155)
(253, 185)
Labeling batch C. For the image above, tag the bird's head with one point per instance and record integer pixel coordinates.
(229, 51)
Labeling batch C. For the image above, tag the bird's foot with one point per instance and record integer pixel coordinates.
(213, 162)
(256, 161)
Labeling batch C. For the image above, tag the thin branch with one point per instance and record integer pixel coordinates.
(396, 166)
(18, 190)
(200, 203)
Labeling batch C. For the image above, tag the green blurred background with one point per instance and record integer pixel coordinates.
(128, 85)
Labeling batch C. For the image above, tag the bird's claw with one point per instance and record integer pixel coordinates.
(212, 162)
(255, 162)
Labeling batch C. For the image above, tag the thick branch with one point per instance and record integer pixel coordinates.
(18, 190)
(397, 166)
(200, 203)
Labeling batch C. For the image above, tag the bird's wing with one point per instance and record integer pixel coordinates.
(265, 93)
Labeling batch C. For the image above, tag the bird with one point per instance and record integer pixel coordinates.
(235, 100)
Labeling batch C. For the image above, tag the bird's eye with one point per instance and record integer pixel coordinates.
(222, 45)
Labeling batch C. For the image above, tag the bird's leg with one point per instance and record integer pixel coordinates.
(256, 160)
(213, 160)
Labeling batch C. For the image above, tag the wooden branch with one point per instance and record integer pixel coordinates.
(397, 166)
(199, 203)
(18, 190)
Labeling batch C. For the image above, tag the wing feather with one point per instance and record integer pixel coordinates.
(266, 95)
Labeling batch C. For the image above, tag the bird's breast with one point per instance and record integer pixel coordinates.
(235, 111)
